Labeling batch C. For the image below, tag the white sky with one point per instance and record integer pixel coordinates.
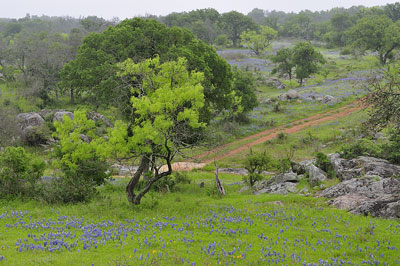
(130, 8)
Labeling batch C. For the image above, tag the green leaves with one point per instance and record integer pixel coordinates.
(167, 102)
(259, 42)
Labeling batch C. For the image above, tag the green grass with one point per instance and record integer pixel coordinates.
(179, 225)
(327, 137)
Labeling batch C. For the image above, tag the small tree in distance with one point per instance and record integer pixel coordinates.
(259, 42)
(256, 164)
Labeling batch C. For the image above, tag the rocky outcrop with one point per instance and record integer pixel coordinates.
(369, 186)
(362, 166)
(278, 184)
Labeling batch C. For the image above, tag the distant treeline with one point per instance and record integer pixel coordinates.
(34, 49)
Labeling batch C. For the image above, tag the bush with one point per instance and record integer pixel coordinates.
(391, 150)
(19, 172)
(362, 147)
(67, 190)
(182, 178)
(284, 165)
(322, 162)
(256, 164)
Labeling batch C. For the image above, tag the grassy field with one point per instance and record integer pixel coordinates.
(193, 226)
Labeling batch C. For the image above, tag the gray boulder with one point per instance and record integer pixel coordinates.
(315, 175)
(290, 95)
(25, 120)
(387, 206)
(328, 99)
(275, 83)
(281, 188)
(282, 178)
(293, 94)
(99, 117)
(59, 115)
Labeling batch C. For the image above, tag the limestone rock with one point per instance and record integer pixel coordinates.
(59, 115)
(315, 175)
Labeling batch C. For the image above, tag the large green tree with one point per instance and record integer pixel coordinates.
(166, 115)
(234, 23)
(376, 33)
(93, 71)
(307, 60)
(284, 62)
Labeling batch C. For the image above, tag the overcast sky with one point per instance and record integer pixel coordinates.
(130, 8)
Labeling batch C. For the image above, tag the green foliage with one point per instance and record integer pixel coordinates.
(244, 93)
(391, 150)
(182, 178)
(384, 99)
(19, 172)
(256, 164)
(361, 147)
(258, 42)
(376, 33)
(95, 67)
(307, 60)
(222, 40)
(284, 165)
(322, 162)
(82, 162)
(234, 23)
(284, 61)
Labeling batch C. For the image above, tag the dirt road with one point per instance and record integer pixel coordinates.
(207, 157)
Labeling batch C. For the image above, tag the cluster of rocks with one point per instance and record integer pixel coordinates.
(290, 95)
(33, 125)
(274, 82)
(369, 186)
(287, 182)
(326, 99)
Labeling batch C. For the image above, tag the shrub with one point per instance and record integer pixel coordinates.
(19, 172)
(284, 165)
(322, 162)
(182, 178)
(256, 164)
(391, 150)
(362, 147)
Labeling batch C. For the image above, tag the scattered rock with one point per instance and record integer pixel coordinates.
(290, 95)
(25, 120)
(315, 175)
(282, 188)
(275, 83)
(99, 117)
(244, 189)
(328, 99)
(59, 115)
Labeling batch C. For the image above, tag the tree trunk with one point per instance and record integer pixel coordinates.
(130, 194)
(72, 96)
(218, 182)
